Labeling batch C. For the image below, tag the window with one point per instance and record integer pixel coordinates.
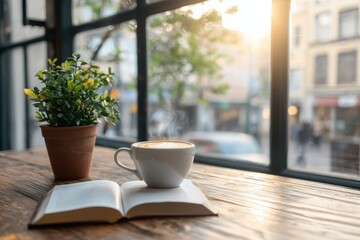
(84, 11)
(22, 53)
(322, 27)
(347, 66)
(322, 121)
(321, 68)
(115, 47)
(194, 73)
(349, 23)
(203, 71)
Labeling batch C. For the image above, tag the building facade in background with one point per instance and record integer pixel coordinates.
(324, 65)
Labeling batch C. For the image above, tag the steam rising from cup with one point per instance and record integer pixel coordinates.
(167, 123)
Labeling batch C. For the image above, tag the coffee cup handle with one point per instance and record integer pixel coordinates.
(117, 161)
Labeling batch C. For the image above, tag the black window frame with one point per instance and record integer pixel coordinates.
(61, 38)
(5, 49)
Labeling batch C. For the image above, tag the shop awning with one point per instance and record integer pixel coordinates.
(337, 101)
(326, 101)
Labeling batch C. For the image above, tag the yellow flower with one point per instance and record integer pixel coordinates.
(42, 96)
(89, 82)
(30, 93)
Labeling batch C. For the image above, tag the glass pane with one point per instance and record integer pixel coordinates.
(37, 56)
(115, 47)
(324, 110)
(36, 9)
(11, 27)
(15, 60)
(15, 71)
(90, 10)
(209, 78)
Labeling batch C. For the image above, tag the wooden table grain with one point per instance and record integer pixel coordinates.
(250, 205)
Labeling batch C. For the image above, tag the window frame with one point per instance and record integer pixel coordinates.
(62, 45)
(5, 74)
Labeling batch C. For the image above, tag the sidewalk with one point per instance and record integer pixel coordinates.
(315, 158)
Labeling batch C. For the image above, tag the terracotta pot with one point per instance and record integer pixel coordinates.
(70, 150)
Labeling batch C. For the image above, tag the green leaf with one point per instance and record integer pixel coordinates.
(105, 94)
(38, 115)
(67, 65)
(67, 104)
(70, 94)
(70, 85)
(70, 116)
(40, 75)
(52, 62)
(76, 56)
(78, 88)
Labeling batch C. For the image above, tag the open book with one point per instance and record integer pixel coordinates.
(106, 201)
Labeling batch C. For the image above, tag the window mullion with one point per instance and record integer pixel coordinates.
(279, 85)
(63, 37)
(142, 79)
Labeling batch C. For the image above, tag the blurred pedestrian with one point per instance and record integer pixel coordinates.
(303, 136)
(317, 132)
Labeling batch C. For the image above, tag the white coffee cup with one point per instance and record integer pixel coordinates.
(160, 163)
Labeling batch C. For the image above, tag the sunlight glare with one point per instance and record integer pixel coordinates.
(220, 6)
(253, 18)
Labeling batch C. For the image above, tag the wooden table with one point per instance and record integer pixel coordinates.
(251, 205)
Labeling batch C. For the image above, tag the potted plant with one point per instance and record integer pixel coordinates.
(72, 106)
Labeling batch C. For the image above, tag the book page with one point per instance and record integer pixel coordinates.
(98, 193)
(140, 200)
